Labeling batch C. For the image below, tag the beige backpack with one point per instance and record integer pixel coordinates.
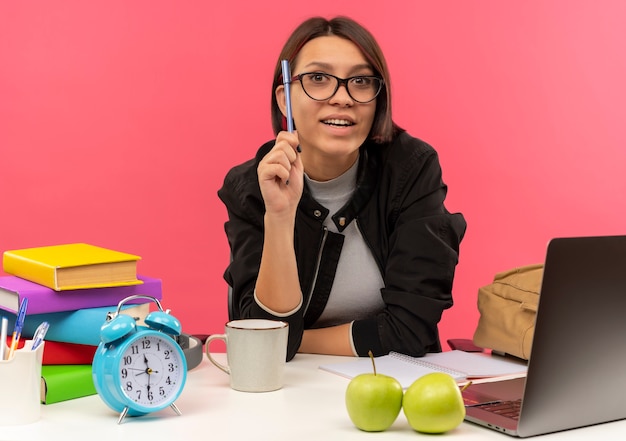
(508, 307)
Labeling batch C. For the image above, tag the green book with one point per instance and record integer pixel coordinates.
(66, 382)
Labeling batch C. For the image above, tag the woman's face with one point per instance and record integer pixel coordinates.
(330, 131)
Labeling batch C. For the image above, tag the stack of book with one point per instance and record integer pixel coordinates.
(72, 287)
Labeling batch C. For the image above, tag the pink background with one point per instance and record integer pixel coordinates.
(119, 119)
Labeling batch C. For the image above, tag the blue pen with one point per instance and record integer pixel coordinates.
(19, 324)
(40, 334)
(287, 84)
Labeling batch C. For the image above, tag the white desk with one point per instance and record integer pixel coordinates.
(309, 407)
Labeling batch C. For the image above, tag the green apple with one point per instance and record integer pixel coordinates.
(373, 401)
(433, 403)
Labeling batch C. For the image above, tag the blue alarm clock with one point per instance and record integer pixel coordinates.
(139, 369)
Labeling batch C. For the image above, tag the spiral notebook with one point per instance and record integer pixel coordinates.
(460, 365)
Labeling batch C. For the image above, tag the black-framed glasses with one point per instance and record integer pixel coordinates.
(321, 86)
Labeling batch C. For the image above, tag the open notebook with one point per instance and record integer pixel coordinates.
(461, 365)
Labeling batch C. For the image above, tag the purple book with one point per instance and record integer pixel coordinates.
(42, 299)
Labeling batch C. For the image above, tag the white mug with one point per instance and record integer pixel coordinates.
(256, 352)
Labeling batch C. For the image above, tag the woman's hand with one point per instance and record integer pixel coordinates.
(281, 176)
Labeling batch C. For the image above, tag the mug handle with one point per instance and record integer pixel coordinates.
(208, 353)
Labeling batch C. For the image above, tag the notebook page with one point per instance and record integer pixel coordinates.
(475, 365)
(460, 365)
(406, 371)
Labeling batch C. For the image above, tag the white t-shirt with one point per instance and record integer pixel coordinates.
(355, 293)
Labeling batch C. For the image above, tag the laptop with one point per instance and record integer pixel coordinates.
(577, 368)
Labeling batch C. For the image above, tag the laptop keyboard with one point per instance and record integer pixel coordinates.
(508, 409)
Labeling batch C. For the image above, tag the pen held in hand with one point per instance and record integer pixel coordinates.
(287, 85)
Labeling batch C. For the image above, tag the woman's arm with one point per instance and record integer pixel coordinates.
(281, 180)
(335, 340)
(262, 271)
(420, 260)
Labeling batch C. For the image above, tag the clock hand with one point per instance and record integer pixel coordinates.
(148, 370)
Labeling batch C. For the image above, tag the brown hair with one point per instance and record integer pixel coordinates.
(383, 128)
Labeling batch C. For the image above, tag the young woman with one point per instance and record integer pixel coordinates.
(339, 228)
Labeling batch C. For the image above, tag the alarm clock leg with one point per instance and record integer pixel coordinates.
(173, 406)
(122, 415)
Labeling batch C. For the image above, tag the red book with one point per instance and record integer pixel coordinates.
(57, 352)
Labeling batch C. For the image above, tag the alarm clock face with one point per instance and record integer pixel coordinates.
(151, 371)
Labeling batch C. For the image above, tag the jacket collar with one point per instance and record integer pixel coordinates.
(367, 177)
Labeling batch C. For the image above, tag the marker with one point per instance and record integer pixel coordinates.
(40, 334)
(19, 324)
(3, 337)
(287, 84)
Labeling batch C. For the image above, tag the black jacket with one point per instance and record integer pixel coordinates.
(399, 208)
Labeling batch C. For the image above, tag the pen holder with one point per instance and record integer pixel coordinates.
(20, 386)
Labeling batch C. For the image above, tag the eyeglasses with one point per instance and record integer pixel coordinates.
(322, 86)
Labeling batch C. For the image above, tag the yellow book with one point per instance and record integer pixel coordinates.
(72, 266)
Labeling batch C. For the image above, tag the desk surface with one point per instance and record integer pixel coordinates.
(309, 407)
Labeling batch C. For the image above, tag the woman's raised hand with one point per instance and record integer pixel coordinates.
(281, 176)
